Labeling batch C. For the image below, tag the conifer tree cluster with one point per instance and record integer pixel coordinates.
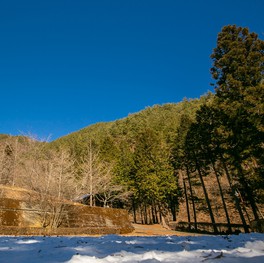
(226, 137)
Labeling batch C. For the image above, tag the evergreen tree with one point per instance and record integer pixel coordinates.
(238, 67)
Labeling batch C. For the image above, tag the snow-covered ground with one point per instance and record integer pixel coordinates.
(236, 248)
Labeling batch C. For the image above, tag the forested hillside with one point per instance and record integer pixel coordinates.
(202, 157)
(138, 151)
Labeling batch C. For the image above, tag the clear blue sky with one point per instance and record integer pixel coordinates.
(67, 64)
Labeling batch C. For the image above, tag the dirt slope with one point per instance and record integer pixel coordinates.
(156, 230)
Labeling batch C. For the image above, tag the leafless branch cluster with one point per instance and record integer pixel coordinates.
(51, 176)
(97, 180)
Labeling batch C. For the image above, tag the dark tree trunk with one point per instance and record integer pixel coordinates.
(246, 229)
(248, 190)
(173, 209)
(206, 196)
(187, 204)
(192, 197)
(222, 197)
(153, 213)
(134, 210)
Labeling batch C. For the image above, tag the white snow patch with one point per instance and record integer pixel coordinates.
(27, 241)
(243, 248)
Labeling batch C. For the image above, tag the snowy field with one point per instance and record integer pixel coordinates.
(237, 248)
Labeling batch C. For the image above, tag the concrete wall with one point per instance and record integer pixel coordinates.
(26, 217)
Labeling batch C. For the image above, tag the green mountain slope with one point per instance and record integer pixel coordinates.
(163, 119)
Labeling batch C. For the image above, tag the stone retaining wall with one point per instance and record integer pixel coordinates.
(19, 217)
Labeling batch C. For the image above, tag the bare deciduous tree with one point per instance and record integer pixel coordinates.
(97, 180)
(55, 186)
(107, 190)
(50, 175)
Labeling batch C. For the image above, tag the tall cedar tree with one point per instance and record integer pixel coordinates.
(238, 67)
